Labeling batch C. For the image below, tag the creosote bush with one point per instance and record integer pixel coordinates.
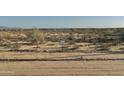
(35, 37)
(6, 35)
(5, 38)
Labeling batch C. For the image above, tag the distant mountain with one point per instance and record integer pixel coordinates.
(4, 27)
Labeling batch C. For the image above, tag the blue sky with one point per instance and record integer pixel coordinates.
(62, 21)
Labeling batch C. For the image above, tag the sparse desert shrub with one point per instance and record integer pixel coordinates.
(5, 38)
(15, 46)
(12, 46)
(103, 47)
(36, 37)
(71, 39)
(6, 35)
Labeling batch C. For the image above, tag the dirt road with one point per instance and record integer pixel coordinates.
(96, 64)
(62, 68)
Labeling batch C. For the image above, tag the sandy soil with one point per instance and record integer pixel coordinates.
(61, 68)
(29, 55)
(64, 68)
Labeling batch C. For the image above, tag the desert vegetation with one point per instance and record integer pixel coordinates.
(86, 51)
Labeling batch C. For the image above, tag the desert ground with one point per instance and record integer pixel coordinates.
(63, 68)
(93, 52)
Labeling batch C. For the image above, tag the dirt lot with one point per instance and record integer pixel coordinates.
(62, 68)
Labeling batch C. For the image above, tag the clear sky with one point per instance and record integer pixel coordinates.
(62, 21)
